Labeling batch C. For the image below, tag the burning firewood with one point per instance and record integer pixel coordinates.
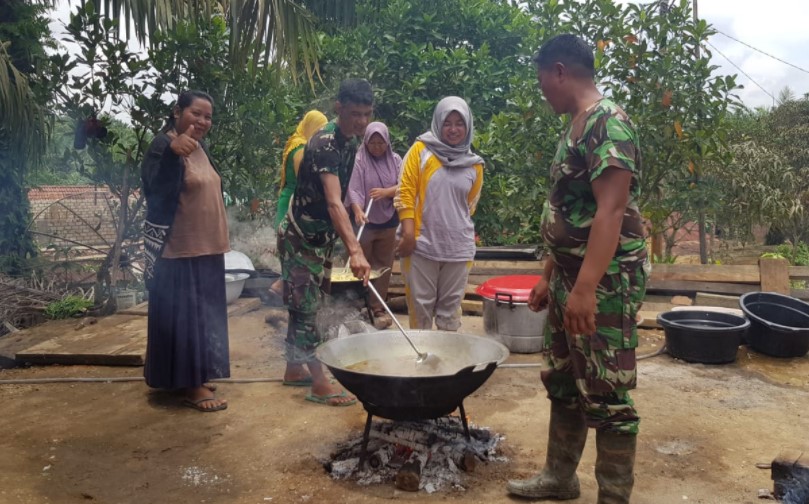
(409, 476)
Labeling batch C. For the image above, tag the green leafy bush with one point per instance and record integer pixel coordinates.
(798, 254)
(70, 306)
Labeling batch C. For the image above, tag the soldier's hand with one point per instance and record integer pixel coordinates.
(580, 311)
(359, 266)
(538, 297)
(184, 144)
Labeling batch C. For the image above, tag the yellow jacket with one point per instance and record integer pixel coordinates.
(441, 201)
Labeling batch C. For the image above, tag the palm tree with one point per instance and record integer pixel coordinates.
(23, 123)
(284, 29)
(281, 31)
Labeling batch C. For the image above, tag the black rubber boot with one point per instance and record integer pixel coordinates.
(615, 464)
(567, 434)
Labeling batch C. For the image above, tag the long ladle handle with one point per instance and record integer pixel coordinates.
(359, 233)
(367, 209)
(395, 321)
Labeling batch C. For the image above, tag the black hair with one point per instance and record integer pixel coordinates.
(357, 91)
(568, 49)
(184, 101)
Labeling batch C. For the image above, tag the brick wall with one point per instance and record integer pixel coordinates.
(64, 219)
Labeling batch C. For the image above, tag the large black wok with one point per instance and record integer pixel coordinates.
(404, 390)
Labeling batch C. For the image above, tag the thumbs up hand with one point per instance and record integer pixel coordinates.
(184, 144)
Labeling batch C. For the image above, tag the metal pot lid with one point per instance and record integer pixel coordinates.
(514, 288)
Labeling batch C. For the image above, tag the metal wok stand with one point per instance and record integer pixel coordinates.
(366, 435)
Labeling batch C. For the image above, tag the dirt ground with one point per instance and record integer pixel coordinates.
(703, 430)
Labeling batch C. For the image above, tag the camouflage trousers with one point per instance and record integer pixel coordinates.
(595, 372)
(306, 273)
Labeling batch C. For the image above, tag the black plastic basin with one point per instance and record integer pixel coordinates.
(779, 324)
(703, 336)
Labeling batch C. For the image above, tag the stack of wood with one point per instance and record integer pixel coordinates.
(722, 284)
(21, 306)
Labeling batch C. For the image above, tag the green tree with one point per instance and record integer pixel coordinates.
(652, 60)
(788, 136)
(23, 123)
(281, 31)
(253, 112)
(416, 52)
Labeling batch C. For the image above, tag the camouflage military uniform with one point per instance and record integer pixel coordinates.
(595, 370)
(306, 238)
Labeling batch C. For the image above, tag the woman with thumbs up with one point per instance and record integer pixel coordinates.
(186, 237)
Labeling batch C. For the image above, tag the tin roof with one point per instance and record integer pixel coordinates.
(57, 192)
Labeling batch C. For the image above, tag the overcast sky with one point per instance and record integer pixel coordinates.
(777, 27)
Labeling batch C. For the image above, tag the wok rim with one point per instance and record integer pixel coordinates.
(504, 354)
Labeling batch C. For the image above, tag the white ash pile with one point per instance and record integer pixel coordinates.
(430, 455)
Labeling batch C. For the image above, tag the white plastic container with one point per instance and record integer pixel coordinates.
(126, 298)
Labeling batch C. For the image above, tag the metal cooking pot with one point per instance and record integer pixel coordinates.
(502, 315)
(397, 388)
(506, 315)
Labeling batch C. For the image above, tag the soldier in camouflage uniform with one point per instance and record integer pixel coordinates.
(594, 281)
(315, 219)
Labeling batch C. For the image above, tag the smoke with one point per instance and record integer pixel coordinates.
(254, 237)
(797, 491)
(335, 314)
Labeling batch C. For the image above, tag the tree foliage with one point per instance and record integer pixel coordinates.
(23, 123)
(253, 110)
(647, 59)
(259, 31)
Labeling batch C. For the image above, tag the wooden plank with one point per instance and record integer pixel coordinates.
(799, 293)
(243, 305)
(748, 274)
(715, 309)
(687, 287)
(650, 306)
(649, 319)
(138, 309)
(238, 307)
(489, 267)
(472, 307)
(710, 299)
(114, 341)
(508, 265)
(799, 272)
(399, 290)
(774, 275)
(706, 273)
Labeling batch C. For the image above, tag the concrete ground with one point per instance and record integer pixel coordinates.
(704, 429)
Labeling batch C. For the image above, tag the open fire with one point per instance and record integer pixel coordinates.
(427, 455)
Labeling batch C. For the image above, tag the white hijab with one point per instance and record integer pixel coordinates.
(459, 156)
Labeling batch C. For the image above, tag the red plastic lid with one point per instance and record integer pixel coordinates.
(510, 287)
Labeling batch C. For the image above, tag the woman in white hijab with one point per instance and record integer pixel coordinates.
(437, 195)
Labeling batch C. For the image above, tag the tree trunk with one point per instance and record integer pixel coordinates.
(703, 246)
(657, 247)
(119, 238)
